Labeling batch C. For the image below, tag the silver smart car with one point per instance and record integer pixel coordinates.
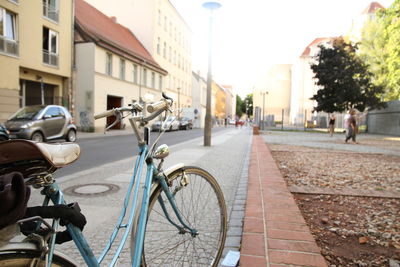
(41, 123)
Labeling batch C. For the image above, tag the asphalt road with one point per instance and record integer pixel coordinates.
(105, 149)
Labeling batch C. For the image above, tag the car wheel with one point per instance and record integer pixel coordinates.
(71, 136)
(3, 138)
(37, 137)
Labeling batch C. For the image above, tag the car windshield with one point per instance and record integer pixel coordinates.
(184, 119)
(171, 119)
(26, 113)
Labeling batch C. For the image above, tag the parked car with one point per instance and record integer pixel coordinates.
(185, 123)
(3, 133)
(172, 124)
(41, 123)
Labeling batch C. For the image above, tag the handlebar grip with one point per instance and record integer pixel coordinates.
(108, 113)
(163, 104)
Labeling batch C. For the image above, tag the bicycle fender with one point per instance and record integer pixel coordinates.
(27, 246)
(173, 168)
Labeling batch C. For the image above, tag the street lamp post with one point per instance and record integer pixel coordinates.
(263, 112)
(179, 101)
(211, 6)
(40, 78)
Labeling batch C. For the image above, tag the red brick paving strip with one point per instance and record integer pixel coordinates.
(274, 231)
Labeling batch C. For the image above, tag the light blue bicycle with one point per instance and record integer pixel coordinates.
(176, 217)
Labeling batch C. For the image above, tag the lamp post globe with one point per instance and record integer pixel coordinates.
(211, 5)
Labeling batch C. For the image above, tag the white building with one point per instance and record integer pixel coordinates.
(199, 96)
(164, 33)
(271, 94)
(303, 83)
(112, 68)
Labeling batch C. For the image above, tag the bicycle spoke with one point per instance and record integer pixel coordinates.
(201, 206)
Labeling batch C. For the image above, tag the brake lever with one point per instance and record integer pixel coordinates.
(118, 118)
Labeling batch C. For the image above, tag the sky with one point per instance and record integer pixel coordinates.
(251, 35)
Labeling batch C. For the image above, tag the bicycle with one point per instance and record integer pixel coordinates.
(180, 219)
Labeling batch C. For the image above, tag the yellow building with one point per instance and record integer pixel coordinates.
(219, 97)
(164, 33)
(35, 54)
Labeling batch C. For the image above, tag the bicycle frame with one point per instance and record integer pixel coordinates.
(54, 194)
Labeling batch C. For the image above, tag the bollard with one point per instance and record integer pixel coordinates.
(256, 130)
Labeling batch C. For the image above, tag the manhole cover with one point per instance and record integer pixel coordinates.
(91, 189)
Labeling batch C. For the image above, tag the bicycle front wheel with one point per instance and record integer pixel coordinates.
(24, 258)
(202, 207)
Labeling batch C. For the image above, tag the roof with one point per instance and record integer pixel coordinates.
(372, 8)
(96, 27)
(316, 41)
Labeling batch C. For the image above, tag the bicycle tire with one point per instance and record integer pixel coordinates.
(23, 258)
(204, 209)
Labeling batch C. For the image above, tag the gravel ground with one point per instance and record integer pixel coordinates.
(351, 231)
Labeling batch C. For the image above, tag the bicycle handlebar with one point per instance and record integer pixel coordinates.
(155, 109)
(107, 113)
(162, 104)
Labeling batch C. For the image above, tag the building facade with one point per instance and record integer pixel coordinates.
(230, 106)
(272, 94)
(303, 83)
(165, 34)
(36, 42)
(113, 68)
(199, 99)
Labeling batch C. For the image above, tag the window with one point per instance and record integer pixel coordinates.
(54, 112)
(160, 82)
(158, 45)
(165, 50)
(159, 17)
(50, 47)
(135, 73)
(109, 64)
(170, 28)
(50, 9)
(8, 32)
(122, 69)
(179, 61)
(175, 57)
(170, 54)
(144, 82)
(153, 80)
(165, 23)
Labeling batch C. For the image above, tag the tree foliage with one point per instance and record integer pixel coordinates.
(380, 49)
(241, 105)
(344, 80)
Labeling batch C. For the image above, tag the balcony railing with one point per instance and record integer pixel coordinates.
(50, 58)
(50, 12)
(9, 46)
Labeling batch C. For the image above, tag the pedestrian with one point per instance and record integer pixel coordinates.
(332, 120)
(351, 124)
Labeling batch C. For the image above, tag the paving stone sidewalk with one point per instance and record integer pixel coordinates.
(227, 160)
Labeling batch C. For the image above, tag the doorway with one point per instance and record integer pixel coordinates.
(113, 102)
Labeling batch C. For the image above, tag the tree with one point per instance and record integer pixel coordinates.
(248, 100)
(380, 50)
(344, 80)
(239, 106)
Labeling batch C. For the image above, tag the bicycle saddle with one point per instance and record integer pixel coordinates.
(26, 155)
